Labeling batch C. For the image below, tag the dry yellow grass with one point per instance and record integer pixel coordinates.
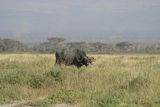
(138, 75)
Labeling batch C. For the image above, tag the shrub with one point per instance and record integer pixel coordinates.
(113, 99)
(57, 74)
(67, 96)
(12, 77)
(10, 93)
(36, 81)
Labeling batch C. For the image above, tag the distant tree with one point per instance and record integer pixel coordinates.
(10, 45)
(58, 42)
(124, 46)
(56, 39)
(78, 45)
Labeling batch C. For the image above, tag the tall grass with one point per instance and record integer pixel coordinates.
(112, 81)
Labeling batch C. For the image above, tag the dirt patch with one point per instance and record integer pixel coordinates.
(66, 105)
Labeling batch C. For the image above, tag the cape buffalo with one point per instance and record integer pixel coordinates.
(75, 57)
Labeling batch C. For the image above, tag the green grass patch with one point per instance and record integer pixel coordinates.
(107, 99)
(63, 96)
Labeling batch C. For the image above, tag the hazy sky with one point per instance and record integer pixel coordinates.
(97, 18)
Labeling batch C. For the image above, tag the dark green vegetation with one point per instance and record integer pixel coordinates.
(112, 81)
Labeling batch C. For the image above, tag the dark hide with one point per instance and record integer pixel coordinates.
(59, 57)
(75, 57)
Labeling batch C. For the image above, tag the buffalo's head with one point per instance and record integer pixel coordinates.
(87, 60)
(91, 59)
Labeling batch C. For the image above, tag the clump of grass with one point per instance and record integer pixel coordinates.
(138, 83)
(107, 99)
(11, 77)
(36, 81)
(63, 96)
(56, 73)
(9, 93)
(3, 100)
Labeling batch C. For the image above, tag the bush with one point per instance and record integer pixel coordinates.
(67, 96)
(10, 93)
(36, 81)
(113, 99)
(57, 74)
(12, 77)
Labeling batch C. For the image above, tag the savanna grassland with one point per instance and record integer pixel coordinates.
(124, 80)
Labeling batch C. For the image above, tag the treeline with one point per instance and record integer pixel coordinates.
(55, 43)
(10, 45)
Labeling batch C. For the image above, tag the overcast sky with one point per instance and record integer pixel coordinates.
(86, 18)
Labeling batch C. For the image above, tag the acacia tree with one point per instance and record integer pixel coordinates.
(58, 42)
